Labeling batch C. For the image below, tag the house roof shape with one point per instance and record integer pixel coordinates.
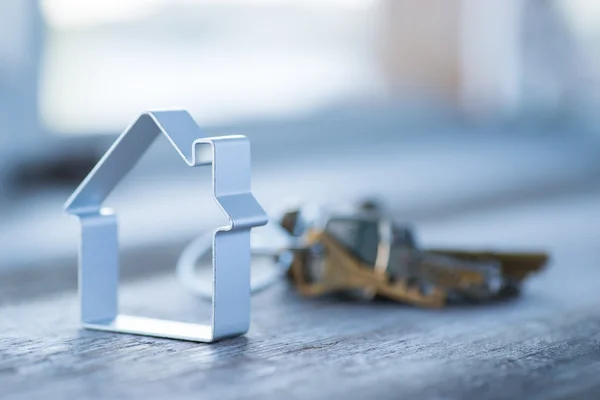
(98, 253)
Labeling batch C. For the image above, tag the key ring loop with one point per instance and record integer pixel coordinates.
(186, 267)
(272, 240)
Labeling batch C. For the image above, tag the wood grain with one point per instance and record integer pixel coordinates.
(543, 345)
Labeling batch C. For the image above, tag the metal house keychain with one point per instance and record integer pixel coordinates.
(99, 247)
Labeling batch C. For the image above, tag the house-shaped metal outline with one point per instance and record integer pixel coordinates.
(99, 248)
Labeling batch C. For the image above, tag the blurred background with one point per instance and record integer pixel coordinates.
(439, 107)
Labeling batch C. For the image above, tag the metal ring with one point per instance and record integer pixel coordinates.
(199, 247)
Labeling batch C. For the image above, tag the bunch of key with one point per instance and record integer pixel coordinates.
(367, 254)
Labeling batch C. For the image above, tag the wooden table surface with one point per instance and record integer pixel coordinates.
(542, 345)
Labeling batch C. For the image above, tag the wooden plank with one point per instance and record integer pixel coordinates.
(545, 344)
